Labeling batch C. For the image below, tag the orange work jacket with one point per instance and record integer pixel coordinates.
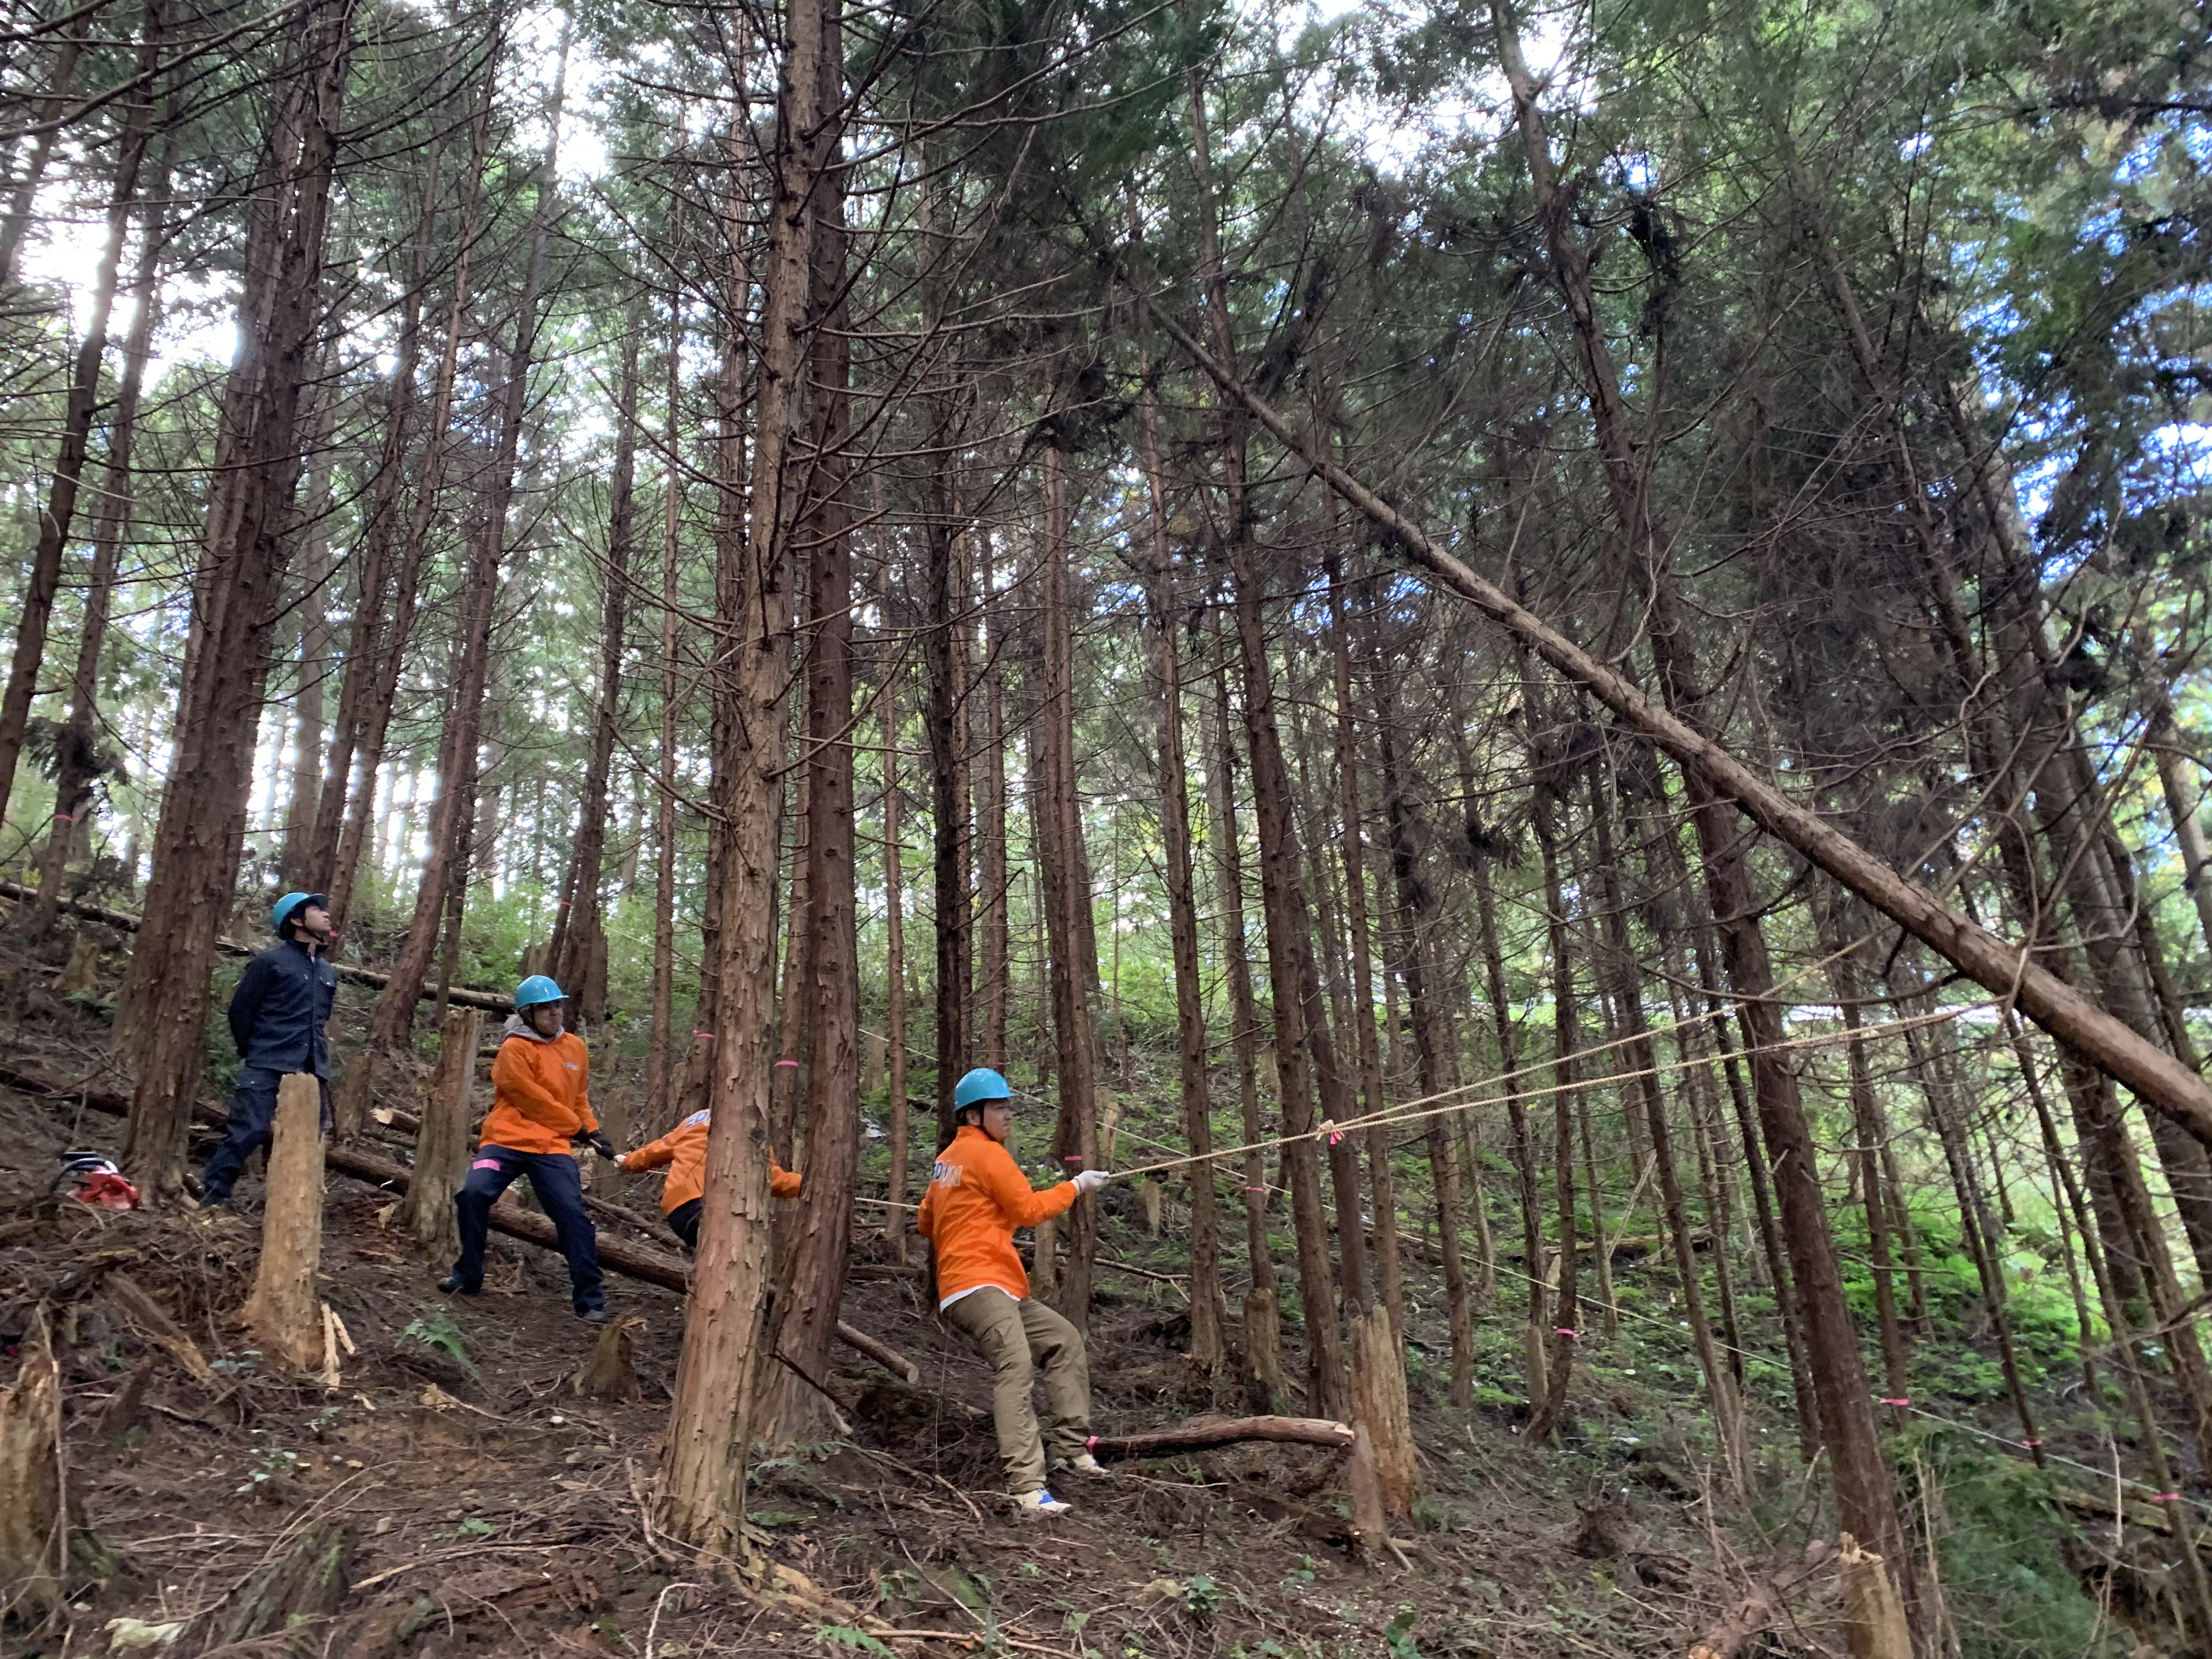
(683, 1150)
(977, 1196)
(540, 1096)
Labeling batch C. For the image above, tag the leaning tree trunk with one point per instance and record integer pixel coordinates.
(236, 599)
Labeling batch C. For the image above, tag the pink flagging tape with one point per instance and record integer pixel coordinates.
(1091, 1444)
(2166, 1497)
(2030, 1442)
(709, 1035)
(1571, 1336)
(63, 817)
(485, 1163)
(787, 1062)
(1887, 1400)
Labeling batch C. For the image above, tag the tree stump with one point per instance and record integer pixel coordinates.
(607, 1179)
(30, 1475)
(284, 1312)
(442, 1142)
(609, 1374)
(1380, 1407)
(81, 976)
(356, 1090)
(1264, 1388)
(1152, 1193)
(1877, 1628)
(1370, 1527)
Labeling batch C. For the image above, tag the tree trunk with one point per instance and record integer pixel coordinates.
(702, 1496)
(1264, 1384)
(83, 759)
(1074, 965)
(812, 1255)
(378, 646)
(392, 1025)
(1559, 1365)
(579, 932)
(441, 1143)
(943, 720)
(51, 108)
(1413, 900)
(1389, 1272)
(658, 1114)
(1207, 1313)
(894, 1217)
(54, 524)
(235, 600)
(295, 859)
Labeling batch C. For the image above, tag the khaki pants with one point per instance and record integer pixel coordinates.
(1017, 1339)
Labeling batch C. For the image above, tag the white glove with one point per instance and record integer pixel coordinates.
(1090, 1180)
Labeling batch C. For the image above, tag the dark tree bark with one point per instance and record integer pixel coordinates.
(580, 932)
(236, 598)
(813, 1247)
(83, 759)
(56, 522)
(1207, 1313)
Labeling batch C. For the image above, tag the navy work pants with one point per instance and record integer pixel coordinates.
(560, 1188)
(683, 1220)
(246, 1129)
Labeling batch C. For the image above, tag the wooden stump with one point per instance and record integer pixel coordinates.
(81, 976)
(1264, 1388)
(1380, 1407)
(1152, 1193)
(1877, 1628)
(607, 1179)
(441, 1143)
(1370, 1527)
(30, 1474)
(350, 1101)
(610, 1373)
(284, 1312)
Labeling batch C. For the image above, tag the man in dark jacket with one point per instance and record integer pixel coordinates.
(276, 1018)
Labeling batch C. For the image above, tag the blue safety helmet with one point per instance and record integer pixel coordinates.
(282, 912)
(979, 1086)
(536, 989)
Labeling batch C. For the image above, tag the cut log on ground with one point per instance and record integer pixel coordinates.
(1202, 1433)
(1750, 1617)
(634, 1260)
(490, 1001)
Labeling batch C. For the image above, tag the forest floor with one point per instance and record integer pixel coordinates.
(489, 1509)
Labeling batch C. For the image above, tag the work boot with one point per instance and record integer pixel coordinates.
(454, 1283)
(592, 1316)
(1040, 1501)
(1082, 1463)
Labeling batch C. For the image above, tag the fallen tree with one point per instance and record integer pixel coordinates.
(632, 1261)
(489, 1001)
(1202, 1433)
(2007, 971)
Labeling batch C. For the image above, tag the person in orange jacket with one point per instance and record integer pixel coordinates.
(683, 1150)
(977, 1196)
(541, 1103)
